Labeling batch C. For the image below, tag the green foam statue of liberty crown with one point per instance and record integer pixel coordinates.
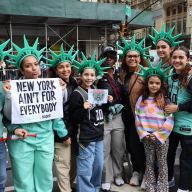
(145, 73)
(2, 52)
(62, 57)
(134, 46)
(22, 53)
(91, 64)
(166, 36)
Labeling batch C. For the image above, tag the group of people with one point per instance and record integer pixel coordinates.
(148, 112)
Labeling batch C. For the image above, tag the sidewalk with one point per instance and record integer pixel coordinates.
(125, 188)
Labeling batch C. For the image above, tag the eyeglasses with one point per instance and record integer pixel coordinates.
(132, 56)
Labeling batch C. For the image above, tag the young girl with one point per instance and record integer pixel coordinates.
(64, 158)
(89, 121)
(31, 158)
(154, 127)
(180, 90)
(3, 155)
(165, 43)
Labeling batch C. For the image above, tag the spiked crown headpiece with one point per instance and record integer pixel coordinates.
(134, 46)
(166, 36)
(62, 57)
(2, 52)
(154, 71)
(24, 52)
(92, 64)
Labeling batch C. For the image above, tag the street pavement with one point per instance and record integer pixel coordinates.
(114, 188)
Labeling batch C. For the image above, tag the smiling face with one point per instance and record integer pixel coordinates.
(154, 85)
(88, 77)
(63, 70)
(179, 60)
(164, 50)
(132, 59)
(30, 68)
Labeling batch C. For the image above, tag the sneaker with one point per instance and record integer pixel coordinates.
(106, 186)
(172, 182)
(143, 187)
(119, 181)
(134, 179)
(180, 190)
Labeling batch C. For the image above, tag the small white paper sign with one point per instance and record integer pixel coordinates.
(97, 96)
(35, 100)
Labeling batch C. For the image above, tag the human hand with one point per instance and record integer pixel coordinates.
(68, 141)
(171, 108)
(87, 105)
(110, 98)
(6, 86)
(21, 133)
(62, 83)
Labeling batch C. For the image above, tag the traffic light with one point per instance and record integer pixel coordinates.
(123, 31)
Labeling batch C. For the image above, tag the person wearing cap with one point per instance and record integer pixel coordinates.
(133, 54)
(114, 144)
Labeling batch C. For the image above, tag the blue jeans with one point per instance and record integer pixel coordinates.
(3, 174)
(89, 167)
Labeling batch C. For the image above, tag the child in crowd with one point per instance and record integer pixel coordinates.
(64, 159)
(90, 124)
(3, 155)
(31, 158)
(154, 126)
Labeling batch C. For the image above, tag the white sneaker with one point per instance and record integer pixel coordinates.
(143, 183)
(180, 190)
(119, 181)
(134, 179)
(106, 186)
(172, 182)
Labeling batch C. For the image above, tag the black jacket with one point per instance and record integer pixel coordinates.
(89, 123)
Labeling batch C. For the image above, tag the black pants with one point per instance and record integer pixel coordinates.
(185, 181)
(133, 144)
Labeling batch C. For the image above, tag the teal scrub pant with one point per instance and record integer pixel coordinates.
(32, 165)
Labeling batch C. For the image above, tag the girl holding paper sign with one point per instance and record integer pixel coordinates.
(31, 158)
(64, 158)
(90, 125)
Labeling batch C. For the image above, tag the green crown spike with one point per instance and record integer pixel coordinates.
(22, 53)
(154, 71)
(62, 57)
(92, 64)
(134, 46)
(166, 36)
(2, 52)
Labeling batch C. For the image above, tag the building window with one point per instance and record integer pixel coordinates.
(179, 26)
(174, 11)
(168, 11)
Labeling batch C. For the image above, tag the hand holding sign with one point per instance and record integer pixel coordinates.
(97, 96)
(35, 100)
(7, 86)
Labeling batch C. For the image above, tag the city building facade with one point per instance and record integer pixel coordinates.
(176, 13)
